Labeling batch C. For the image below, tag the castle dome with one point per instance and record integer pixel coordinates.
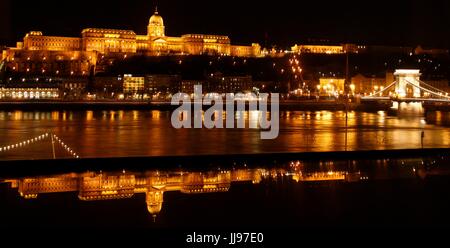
(156, 25)
(156, 19)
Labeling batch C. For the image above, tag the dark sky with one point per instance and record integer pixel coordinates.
(280, 22)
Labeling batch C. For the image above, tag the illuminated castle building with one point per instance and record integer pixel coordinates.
(77, 55)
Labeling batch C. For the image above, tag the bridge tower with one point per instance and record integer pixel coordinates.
(404, 78)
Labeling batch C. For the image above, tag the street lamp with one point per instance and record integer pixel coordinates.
(352, 88)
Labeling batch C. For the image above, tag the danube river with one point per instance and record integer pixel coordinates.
(149, 133)
(219, 192)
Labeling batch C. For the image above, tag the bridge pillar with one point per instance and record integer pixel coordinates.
(406, 78)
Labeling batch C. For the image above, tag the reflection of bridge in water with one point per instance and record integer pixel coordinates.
(409, 88)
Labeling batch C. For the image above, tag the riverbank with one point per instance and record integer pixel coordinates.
(20, 168)
(135, 105)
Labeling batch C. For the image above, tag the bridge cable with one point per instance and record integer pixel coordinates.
(427, 90)
(438, 90)
(389, 86)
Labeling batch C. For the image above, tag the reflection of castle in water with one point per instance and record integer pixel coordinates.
(107, 186)
(93, 186)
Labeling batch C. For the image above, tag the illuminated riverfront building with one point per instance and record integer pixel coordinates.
(219, 83)
(328, 49)
(39, 53)
(21, 92)
(331, 86)
(318, 49)
(367, 84)
(133, 85)
(162, 87)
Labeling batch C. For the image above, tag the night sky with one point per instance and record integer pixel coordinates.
(281, 22)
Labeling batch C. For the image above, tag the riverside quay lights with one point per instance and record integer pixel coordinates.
(213, 117)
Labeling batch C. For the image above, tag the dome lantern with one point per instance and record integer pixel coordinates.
(156, 25)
